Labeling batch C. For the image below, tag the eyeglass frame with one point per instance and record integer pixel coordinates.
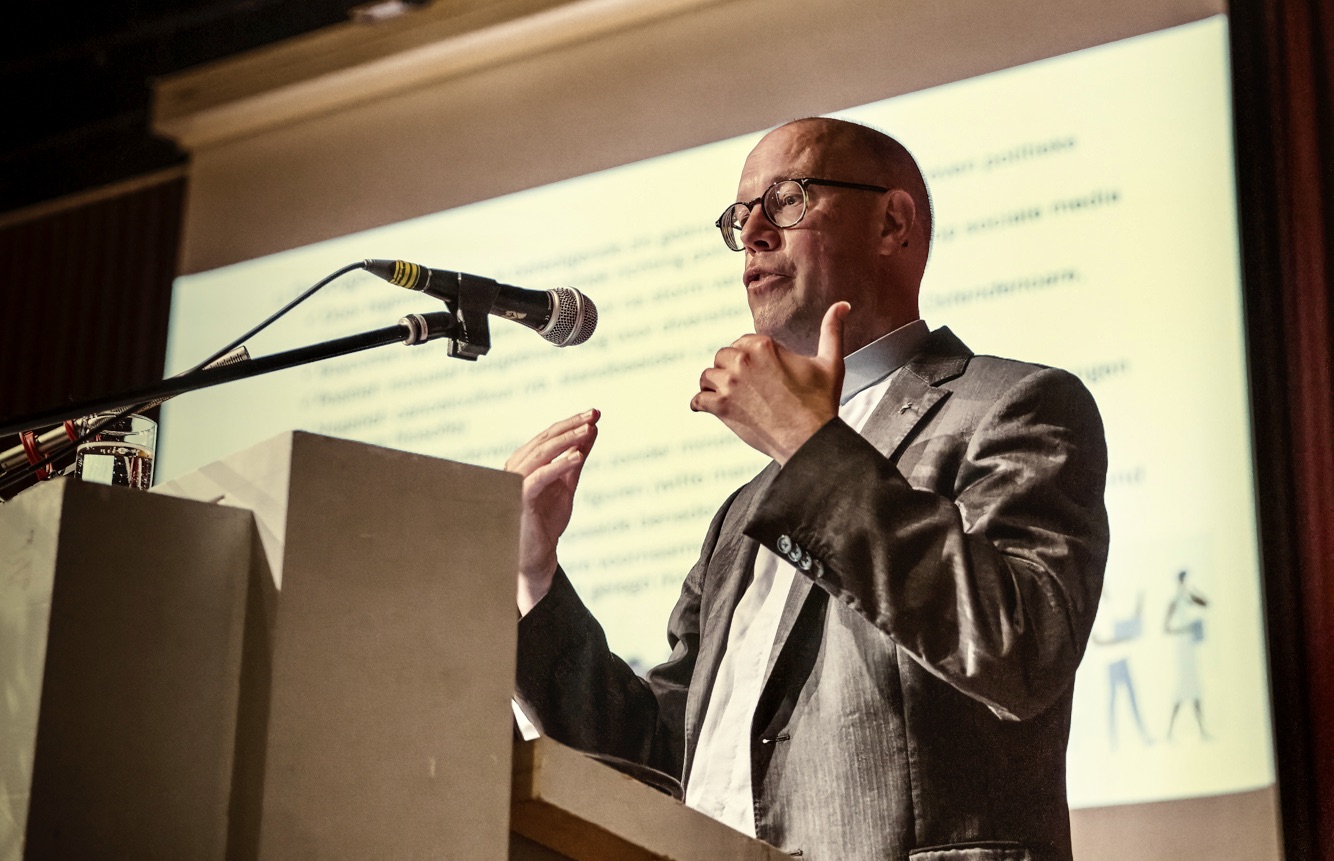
(802, 181)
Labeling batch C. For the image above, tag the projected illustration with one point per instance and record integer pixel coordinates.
(1185, 622)
(1120, 682)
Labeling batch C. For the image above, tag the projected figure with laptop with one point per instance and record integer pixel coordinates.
(876, 650)
(1116, 651)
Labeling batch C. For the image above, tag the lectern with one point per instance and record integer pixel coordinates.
(303, 650)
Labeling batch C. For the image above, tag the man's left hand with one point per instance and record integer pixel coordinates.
(770, 397)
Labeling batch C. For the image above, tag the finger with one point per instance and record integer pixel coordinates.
(571, 477)
(726, 356)
(580, 438)
(589, 417)
(579, 454)
(542, 449)
(540, 479)
(523, 451)
(704, 402)
(750, 340)
(831, 332)
(709, 379)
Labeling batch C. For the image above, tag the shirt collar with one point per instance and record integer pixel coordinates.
(882, 357)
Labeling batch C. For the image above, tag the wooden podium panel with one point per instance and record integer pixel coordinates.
(379, 658)
(568, 807)
(120, 621)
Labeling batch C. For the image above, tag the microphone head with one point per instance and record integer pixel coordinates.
(573, 318)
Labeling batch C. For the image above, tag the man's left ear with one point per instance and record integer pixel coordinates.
(900, 215)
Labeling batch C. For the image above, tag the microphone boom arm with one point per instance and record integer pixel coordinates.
(411, 330)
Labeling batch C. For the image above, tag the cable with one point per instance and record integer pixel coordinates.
(35, 469)
(272, 318)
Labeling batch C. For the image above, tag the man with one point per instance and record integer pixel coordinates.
(874, 656)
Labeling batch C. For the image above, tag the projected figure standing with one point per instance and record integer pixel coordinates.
(1124, 631)
(1185, 623)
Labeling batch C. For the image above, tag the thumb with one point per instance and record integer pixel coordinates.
(830, 348)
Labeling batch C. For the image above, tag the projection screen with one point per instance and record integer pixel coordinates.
(1085, 218)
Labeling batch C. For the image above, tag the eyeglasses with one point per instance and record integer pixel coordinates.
(784, 204)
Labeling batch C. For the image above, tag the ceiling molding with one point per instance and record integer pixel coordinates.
(87, 198)
(349, 64)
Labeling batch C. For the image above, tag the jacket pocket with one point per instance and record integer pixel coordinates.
(992, 850)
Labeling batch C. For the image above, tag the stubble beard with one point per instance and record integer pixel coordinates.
(795, 327)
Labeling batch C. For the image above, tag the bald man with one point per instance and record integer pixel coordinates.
(875, 654)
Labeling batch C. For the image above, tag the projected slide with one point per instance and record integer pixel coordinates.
(1085, 218)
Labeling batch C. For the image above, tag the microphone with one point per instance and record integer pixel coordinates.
(563, 316)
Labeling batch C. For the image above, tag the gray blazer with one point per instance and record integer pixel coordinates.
(917, 701)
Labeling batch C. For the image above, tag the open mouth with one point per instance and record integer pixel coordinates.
(760, 278)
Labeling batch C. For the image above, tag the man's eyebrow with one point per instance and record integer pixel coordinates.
(766, 187)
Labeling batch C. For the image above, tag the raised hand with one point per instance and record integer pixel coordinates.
(770, 397)
(550, 464)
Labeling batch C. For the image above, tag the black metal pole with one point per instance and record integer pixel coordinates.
(207, 377)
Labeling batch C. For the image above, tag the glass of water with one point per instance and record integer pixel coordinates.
(120, 453)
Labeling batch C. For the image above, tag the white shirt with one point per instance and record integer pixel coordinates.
(719, 783)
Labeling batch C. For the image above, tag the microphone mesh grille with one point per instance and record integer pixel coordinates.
(572, 320)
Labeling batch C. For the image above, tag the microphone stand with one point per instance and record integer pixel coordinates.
(411, 330)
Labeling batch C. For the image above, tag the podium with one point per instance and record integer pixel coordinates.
(303, 650)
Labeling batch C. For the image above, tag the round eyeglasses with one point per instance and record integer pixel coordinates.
(784, 204)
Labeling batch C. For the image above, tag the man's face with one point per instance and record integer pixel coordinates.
(792, 276)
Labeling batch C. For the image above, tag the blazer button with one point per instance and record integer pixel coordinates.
(784, 544)
(818, 567)
(805, 563)
(795, 553)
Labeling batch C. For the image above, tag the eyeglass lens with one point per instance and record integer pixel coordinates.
(784, 205)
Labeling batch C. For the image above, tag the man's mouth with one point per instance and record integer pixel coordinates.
(758, 276)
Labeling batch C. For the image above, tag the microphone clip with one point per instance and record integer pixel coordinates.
(470, 301)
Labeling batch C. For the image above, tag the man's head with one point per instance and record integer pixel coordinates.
(867, 247)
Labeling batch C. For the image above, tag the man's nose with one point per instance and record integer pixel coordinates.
(759, 233)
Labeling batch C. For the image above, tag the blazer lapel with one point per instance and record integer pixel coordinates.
(907, 402)
(914, 391)
(796, 598)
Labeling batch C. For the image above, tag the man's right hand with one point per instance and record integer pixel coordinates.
(550, 464)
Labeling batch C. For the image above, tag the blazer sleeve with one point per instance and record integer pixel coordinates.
(991, 583)
(579, 693)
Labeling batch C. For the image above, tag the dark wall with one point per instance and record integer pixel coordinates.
(87, 292)
(1283, 65)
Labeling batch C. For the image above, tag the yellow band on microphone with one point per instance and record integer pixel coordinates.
(406, 274)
